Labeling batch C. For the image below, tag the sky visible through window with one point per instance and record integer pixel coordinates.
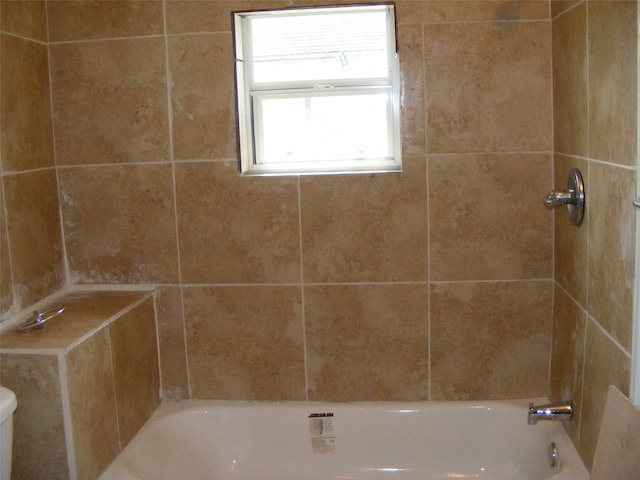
(321, 47)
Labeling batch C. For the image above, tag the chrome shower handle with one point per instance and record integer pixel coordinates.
(38, 319)
(560, 197)
(573, 197)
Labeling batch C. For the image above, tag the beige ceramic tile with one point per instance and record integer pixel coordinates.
(408, 12)
(134, 342)
(611, 249)
(492, 10)
(567, 357)
(570, 93)
(25, 106)
(365, 228)
(26, 18)
(493, 97)
(245, 342)
(37, 423)
(619, 440)
(236, 229)
(605, 365)
(570, 244)
(211, 15)
(35, 238)
(6, 282)
(173, 356)
(485, 222)
(412, 84)
(120, 224)
(367, 342)
(84, 313)
(110, 101)
(202, 96)
(92, 405)
(560, 6)
(613, 81)
(74, 20)
(490, 340)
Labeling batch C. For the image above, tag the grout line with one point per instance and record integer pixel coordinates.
(66, 416)
(158, 342)
(588, 240)
(425, 102)
(302, 296)
(487, 21)
(175, 194)
(151, 162)
(106, 39)
(608, 335)
(132, 37)
(65, 255)
(577, 4)
(113, 383)
(34, 40)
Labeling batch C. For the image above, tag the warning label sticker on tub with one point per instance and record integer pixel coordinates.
(323, 439)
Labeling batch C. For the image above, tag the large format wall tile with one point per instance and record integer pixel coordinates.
(110, 101)
(612, 81)
(236, 229)
(612, 223)
(570, 94)
(25, 108)
(367, 342)
(481, 78)
(478, 331)
(485, 222)
(89, 19)
(245, 343)
(372, 228)
(119, 224)
(35, 236)
(171, 338)
(92, 403)
(202, 96)
(133, 341)
(479, 10)
(25, 18)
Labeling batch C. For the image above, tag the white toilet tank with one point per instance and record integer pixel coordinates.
(8, 404)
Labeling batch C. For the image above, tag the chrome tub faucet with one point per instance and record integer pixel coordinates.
(550, 411)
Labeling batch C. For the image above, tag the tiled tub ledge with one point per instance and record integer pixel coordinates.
(85, 383)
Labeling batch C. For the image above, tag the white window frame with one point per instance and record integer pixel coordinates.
(249, 96)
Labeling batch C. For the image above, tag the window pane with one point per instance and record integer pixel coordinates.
(324, 127)
(327, 46)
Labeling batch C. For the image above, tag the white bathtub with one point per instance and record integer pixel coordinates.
(285, 441)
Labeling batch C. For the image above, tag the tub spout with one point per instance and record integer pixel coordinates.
(550, 411)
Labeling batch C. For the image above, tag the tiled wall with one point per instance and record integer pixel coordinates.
(595, 123)
(434, 283)
(431, 284)
(31, 246)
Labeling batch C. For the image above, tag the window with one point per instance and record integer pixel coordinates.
(317, 90)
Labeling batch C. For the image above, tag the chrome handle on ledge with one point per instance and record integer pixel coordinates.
(573, 197)
(38, 319)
